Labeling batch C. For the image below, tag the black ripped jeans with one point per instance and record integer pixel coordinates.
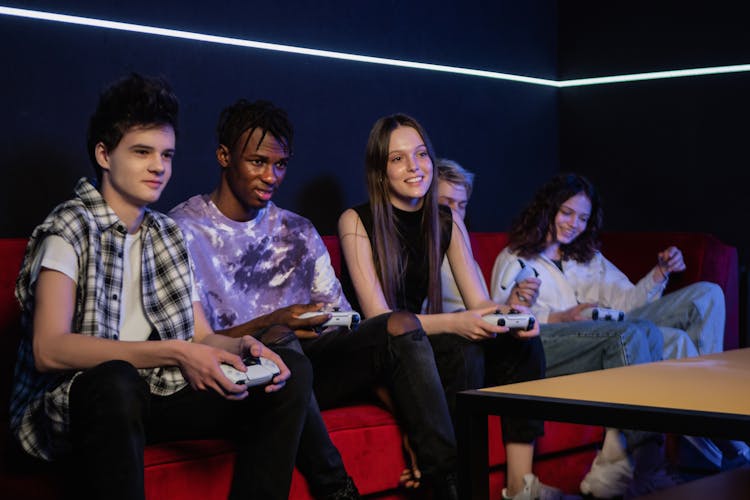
(389, 350)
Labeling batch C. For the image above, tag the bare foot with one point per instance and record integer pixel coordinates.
(411, 476)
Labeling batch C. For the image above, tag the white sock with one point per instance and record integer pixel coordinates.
(613, 447)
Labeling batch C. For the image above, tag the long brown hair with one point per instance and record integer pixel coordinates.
(388, 258)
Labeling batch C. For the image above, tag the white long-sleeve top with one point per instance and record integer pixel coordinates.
(597, 281)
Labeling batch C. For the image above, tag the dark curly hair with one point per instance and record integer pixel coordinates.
(528, 233)
(244, 115)
(133, 101)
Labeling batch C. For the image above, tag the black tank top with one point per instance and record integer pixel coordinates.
(413, 290)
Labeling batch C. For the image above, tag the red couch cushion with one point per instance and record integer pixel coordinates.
(370, 443)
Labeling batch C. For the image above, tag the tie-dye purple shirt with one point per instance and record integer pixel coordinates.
(247, 269)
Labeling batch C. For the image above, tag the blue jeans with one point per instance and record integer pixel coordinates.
(691, 319)
(584, 346)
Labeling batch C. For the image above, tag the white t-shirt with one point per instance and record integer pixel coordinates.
(58, 255)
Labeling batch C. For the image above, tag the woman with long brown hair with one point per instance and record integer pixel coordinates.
(393, 247)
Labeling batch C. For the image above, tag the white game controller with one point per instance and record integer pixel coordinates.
(260, 371)
(349, 319)
(512, 321)
(526, 272)
(515, 273)
(603, 314)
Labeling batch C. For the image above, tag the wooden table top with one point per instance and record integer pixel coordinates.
(711, 383)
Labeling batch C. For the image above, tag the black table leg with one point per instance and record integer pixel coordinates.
(473, 450)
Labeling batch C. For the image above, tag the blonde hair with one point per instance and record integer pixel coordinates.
(453, 173)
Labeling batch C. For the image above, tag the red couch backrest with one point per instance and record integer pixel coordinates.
(706, 257)
(11, 254)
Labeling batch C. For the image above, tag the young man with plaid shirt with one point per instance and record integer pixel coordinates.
(117, 352)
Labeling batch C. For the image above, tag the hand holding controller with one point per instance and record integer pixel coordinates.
(603, 314)
(516, 273)
(348, 319)
(512, 321)
(260, 371)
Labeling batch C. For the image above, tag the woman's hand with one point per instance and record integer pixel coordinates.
(525, 293)
(525, 334)
(669, 261)
(469, 324)
(568, 315)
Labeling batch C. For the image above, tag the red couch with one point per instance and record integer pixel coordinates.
(367, 436)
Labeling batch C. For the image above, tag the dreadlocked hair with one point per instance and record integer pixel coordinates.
(244, 115)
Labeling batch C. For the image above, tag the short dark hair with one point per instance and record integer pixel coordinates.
(244, 115)
(132, 101)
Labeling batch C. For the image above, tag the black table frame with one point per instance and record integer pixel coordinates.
(474, 406)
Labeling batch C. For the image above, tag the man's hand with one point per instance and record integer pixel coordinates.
(289, 316)
(525, 293)
(250, 345)
(200, 365)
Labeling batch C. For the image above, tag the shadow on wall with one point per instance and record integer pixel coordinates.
(37, 177)
(321, 201)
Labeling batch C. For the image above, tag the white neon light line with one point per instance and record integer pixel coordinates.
(656, 75)
(239, 42)
(153, 30)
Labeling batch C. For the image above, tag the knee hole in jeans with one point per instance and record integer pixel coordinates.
(402, 322)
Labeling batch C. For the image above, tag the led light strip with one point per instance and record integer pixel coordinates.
(679, 73)
(239, 42)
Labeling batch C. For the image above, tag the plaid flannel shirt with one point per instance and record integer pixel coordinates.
(39, 401)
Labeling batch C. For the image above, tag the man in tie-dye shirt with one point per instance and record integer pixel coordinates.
(258, 265)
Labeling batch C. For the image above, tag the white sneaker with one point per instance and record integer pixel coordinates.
(533, 489)
(607, 479)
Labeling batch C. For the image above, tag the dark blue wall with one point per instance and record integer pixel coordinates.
(666, 154)
(506, 132)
